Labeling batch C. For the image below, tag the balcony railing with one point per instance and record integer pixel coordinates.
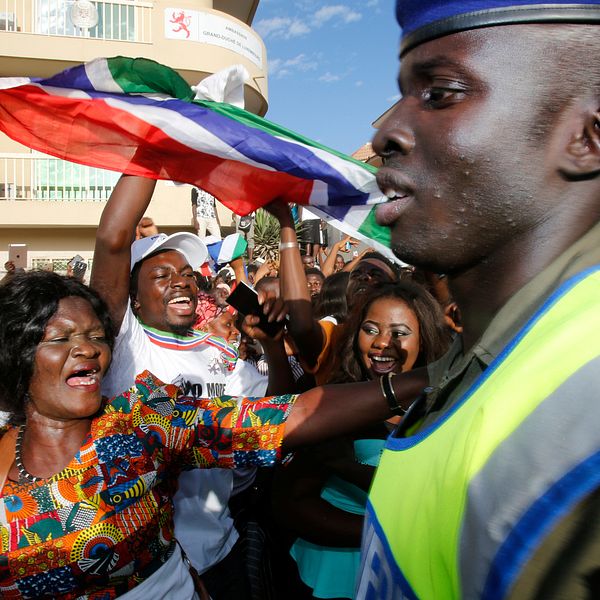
(39, 177)
(118, 20)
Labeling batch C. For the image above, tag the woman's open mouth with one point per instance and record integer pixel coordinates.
(383, 364)
(88, 379)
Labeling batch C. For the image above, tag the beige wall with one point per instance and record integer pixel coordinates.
(170, 207)
(36, 55)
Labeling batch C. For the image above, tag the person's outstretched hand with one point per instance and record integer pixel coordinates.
(275, 309)
(346, 244)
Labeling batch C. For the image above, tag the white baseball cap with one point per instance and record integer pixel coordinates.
(190, 245)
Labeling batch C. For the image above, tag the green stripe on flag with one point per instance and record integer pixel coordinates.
(232, 246)
(371, 229)
(239, 248)
(145, 76)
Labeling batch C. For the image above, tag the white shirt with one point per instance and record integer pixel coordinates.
(203, 524)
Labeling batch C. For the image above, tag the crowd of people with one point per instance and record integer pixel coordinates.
(131, 417)
(362, 430)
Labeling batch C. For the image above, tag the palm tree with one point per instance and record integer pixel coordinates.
(266, 236)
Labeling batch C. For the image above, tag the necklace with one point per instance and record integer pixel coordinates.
(24, 474)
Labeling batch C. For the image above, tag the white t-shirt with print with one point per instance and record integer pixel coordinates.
(203, 524)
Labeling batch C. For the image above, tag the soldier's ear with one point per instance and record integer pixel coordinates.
(580, 158)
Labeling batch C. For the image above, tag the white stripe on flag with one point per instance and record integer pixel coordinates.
(63, 92)
(12, 82)
(229, 247)
(185, 131)
(362, 179)
(101, 78)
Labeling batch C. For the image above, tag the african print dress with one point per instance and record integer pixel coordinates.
(105, 523)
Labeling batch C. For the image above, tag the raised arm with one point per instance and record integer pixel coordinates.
(116, 231)
(237, 264)
(263, 271)
(352, 263)
(303, 326)
(328, 266)
(232, 431)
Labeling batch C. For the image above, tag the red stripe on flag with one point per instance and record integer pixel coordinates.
(205, 270)
(90, 132)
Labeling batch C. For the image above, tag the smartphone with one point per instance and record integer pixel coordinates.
(17, 253)
(79, 269)
(77, 258)
(245, 300)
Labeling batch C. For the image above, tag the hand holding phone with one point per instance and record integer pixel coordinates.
(347, 244)
(17, 254)
(77, 258)
(77, 267)
(245, 300)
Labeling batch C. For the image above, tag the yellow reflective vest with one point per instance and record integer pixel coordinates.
(457, 510)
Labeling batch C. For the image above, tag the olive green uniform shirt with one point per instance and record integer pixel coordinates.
(567, 564)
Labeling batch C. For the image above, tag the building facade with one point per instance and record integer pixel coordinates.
(53, 207)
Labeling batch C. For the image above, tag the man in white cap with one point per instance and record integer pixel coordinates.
(151, 292)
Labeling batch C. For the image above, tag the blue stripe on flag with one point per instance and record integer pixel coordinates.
(214, 250)
(74, 78)
(260, 147)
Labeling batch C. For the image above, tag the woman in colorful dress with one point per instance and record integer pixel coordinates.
(87, 483)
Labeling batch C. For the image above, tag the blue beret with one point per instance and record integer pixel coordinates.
(424, 20)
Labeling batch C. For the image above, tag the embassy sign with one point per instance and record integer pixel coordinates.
(209, 28)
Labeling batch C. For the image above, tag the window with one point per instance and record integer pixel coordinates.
(61, 180)
(116, 20)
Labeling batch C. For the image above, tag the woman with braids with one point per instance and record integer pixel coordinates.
(323, 490)
(86, 482)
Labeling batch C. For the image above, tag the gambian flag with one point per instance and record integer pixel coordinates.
(139, 117)
(225, 250)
